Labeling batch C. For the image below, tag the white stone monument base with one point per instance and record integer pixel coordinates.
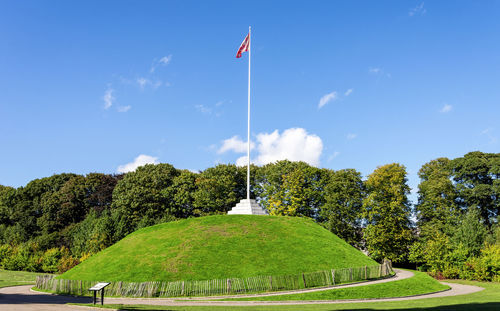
(247, 207)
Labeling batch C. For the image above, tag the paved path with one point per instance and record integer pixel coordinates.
(22, 299)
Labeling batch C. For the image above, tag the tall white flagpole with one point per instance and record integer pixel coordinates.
(248, 136)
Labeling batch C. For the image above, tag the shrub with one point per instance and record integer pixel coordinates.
(5, 252)
(67, 261)
(50, 261)
(488, 265)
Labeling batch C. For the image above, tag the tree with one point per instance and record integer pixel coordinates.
(387, 212)
(342, 211)
(7, 196)
(290, 199)
(218, 189)
(64, 206)
(477, 179)
(29, 205)
(100, 190)
(7, 200)
(144, 195)
(470, 233)
(182, 192)
(93, 234)
(436, 193)
(290, 188)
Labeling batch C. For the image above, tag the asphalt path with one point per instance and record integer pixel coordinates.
(22, 298)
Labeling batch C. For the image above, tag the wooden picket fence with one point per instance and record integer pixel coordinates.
(219, 286)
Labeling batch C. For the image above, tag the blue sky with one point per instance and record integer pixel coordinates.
(90, 86)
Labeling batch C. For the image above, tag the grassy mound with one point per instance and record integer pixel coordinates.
(217, 247)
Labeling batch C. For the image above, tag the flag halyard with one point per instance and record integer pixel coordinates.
(244, 47)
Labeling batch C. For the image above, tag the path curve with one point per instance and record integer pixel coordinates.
(23, 299)
(399, 275)
(456, 289)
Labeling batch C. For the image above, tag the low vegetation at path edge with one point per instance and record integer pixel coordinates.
(12, 278)
(419, 284)
(485, 300)
(219, 247)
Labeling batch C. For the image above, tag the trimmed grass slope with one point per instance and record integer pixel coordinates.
(221, 246)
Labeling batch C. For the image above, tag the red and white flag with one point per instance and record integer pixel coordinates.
(244, 47)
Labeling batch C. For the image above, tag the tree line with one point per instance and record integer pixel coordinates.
(53, 223)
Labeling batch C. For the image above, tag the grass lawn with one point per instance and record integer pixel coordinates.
(12, 278)
(419, 284)
(219, 247)
(488, 299)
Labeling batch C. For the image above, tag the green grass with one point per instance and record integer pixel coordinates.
(217, 247)
(486, 300)
(419, 284)
(12, 278)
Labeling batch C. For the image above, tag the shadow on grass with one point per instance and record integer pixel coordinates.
(493, 306)
(458, 307)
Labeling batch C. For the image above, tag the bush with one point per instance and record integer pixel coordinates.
(487, 266)
(451, 272)
(5, 252)
(50, 261)
(19, 258)
(67, 261)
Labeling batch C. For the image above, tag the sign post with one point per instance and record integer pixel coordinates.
(96, 288)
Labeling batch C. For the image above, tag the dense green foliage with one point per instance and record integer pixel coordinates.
(53, 223)
(343, 201)
(387, 212)
(221, 246)
(291, 188)
(418, 284)
(457, 216)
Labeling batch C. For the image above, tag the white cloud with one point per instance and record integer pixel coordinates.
(242, 161)
(234, 144)
(379, 72)
(488, 133)
(446, 108)
(157, 84)
(295, 144)
(418, 10)
(351, 136)
(327, 98)
(333, 156)
(124, 108)
(142, 82)
(139, 161)
(211, 109)
(165, 60)
(203, 109)
(108, 98)
(348, 92)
